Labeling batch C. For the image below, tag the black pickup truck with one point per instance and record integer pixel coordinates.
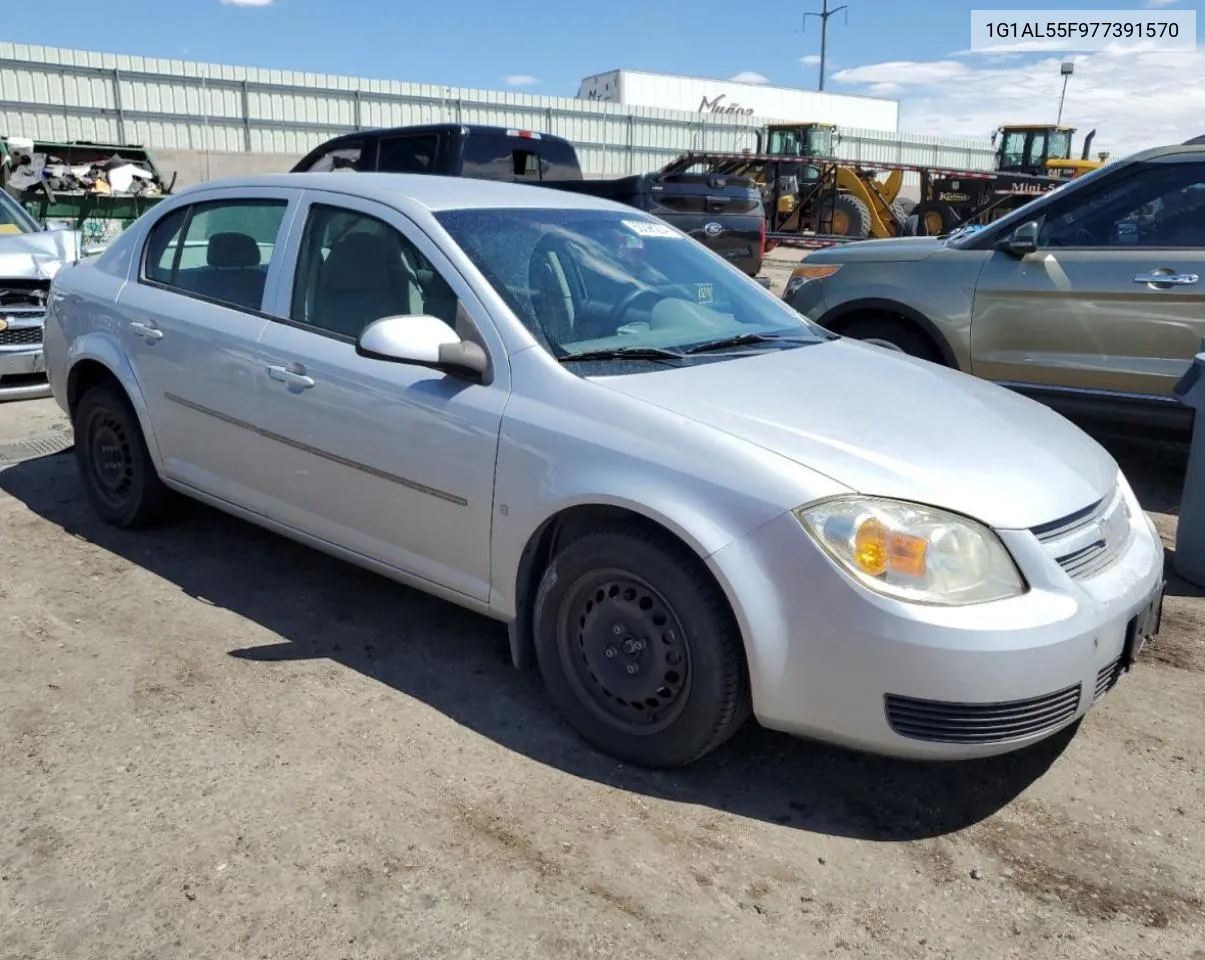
(723, 212)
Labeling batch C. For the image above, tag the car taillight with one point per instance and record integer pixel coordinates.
(761, 246)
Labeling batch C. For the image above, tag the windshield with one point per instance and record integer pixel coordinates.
(785, 143)
(822, 142)
(13, 218)
(584, 281)
(1060, 145)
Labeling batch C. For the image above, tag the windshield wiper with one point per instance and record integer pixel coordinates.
(744, 339)
(624, 353)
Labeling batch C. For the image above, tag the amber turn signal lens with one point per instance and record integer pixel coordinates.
(878, 549)
(906, 555)
(870, 547)
(817, 271)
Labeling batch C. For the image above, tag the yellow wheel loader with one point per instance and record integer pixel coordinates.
(820, 193)
(1042, 151)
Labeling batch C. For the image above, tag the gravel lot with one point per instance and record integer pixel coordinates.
(215, 743)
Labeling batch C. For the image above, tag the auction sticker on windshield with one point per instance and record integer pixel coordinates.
(645, 228)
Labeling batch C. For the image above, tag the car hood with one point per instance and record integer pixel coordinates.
(37, 256)
(886, 424)
(894, 250)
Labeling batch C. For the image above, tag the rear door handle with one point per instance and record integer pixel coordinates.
(1179, 279)
(145, 330)
(294, 375)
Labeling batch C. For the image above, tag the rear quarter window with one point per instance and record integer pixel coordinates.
(518, 158)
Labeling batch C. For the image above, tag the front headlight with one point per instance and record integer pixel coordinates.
(912, 552)
(806, 273)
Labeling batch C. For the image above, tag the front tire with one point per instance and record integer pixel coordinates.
(847, 216)
(638, 648)
(116, 468)
(895, 335)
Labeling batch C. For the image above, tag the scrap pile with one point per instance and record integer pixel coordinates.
(114, 174)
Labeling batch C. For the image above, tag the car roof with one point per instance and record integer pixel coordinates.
(1192, 147)
(431, 192)
(463, 129)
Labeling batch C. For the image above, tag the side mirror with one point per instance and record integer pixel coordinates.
(1023, 240)
(424, 341)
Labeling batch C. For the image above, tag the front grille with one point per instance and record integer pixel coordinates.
(25, 292)
(1087, 541)
(940, 722)
(20, 336)
(1107, 678)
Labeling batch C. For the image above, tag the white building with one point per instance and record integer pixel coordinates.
(735, 99)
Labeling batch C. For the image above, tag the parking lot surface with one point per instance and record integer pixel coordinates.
(216, 743)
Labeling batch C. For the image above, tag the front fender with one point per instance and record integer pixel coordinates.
(706, 502)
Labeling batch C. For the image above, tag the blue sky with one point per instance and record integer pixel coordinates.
(911, 50)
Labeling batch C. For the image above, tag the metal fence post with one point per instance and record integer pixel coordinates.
(631, 146)
(246, 101)
(121, 116)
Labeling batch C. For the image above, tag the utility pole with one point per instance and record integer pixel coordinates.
(823, 15)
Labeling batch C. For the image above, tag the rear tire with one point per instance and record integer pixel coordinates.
(847, 216)
(116, 468)
(638, 648)
(894, 334)
(901, 208)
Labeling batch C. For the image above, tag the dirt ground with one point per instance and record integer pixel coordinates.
(217, 744)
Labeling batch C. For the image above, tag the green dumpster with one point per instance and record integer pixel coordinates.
(96, 188)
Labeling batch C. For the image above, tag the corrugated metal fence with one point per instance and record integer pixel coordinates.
(55, 94)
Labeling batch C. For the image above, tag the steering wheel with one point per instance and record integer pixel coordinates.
(630, 301)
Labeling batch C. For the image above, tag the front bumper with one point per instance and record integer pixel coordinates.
(22, 361)
(832, 660)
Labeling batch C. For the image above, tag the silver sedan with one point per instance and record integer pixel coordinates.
(688, 502)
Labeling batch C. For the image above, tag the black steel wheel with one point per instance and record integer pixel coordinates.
(638, 648)
(115, 466)
(625, 651)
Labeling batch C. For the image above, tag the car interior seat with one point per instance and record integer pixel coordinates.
(233, 271)
(364, 278)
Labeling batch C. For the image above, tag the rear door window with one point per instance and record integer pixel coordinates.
(220, 250)
(492, 157)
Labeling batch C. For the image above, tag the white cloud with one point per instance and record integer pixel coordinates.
(247, 3)
(811, 60)
(520, 80)
(748, 76)
(1160, 3)
(1135, 100)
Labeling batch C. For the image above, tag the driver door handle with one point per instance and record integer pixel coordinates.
(1179, 279)
(294, 375)
(145, 330)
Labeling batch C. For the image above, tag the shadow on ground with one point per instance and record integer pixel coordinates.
(458, 663)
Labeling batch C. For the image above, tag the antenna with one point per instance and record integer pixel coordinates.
(823, 15)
